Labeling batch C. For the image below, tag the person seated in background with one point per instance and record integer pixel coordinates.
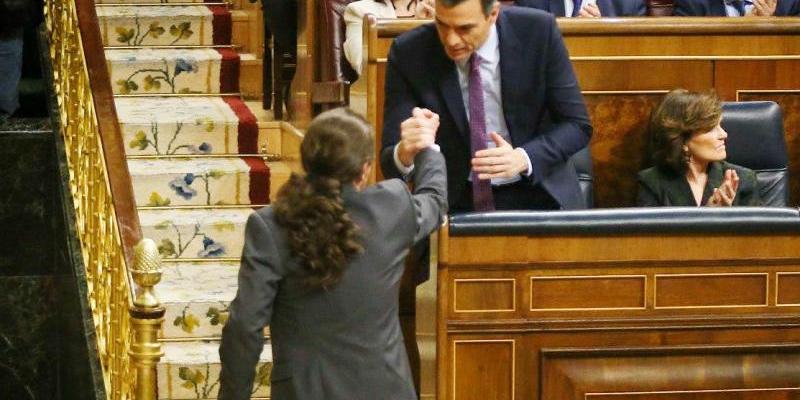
(736, 8)
(354, 18)
(588, 8)
(688, 150)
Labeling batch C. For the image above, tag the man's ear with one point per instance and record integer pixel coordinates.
(495, 11)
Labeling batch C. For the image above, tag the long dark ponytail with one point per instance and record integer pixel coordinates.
(321, 235)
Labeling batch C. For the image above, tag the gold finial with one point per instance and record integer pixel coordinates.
(146, 272)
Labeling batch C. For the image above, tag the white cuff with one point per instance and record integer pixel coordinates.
(404, 171)
(529, 171)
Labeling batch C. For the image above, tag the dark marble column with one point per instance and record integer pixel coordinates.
(46, 333)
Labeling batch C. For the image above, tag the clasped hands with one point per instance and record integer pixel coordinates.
(724, 195)
(763, 8)
(418, 132)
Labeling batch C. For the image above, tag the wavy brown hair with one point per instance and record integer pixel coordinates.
(680, 115)
(321, 235)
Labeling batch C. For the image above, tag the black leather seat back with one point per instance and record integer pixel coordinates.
(755, 141)
(582, 161)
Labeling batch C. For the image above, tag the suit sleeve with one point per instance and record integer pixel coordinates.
(570, 129)
(430, 192)
(251, 310)
(398, 103)
(647, 196)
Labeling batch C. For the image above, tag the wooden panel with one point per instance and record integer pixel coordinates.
(730, 76)
(619, 143)
(483, 370)
(622, 75)
(730, 394)
(673, 249)
(788, 290)
(587, 292)
(685, 45)
(711, 290)
(484, 295)
(679, 373)
(790, 104)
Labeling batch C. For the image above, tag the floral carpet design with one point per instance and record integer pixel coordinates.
(192, 147)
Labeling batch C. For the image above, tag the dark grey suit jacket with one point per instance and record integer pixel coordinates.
(660, 188)
(344, 343)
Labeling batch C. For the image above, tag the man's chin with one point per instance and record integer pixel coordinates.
(458, 56)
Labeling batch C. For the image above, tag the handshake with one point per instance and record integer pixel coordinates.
(417, 133)
(500, 160)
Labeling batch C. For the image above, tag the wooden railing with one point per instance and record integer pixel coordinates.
(107, 222)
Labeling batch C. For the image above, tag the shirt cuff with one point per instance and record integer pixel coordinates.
(529, 171)
(404, 171)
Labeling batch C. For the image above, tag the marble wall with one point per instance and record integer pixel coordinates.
(44, 350)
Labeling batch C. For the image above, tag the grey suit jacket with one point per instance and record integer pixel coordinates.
(344, 343)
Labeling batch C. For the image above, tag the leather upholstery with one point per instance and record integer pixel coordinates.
(659, 8)
(582, 161)
(334, 73)
(629, 221)
(755, 141)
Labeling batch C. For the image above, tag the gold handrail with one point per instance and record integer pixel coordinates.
(107, 223)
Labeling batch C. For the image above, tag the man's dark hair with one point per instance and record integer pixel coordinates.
(485, 4)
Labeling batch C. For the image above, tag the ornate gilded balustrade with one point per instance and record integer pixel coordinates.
(106, 220)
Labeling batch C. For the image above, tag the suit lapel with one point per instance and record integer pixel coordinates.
(451, 91)
(557, 8)
(510, 72)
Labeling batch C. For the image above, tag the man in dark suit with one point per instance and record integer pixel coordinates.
(531, 116)
(588, 8)
(736, 8)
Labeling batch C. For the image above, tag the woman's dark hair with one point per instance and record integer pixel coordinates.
(320, 233)
(681, 114)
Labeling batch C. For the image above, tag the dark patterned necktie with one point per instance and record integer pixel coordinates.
(482, 198)
(576, 7)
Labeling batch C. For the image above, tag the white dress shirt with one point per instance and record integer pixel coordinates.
(489, 53)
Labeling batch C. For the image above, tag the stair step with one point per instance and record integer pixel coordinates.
(196, 234)
(191, 371)
(189, 125)
(196, 296)
(173, 71)
(208, 181)
(153, 25)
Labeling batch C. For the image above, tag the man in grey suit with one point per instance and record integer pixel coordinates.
(343, 341)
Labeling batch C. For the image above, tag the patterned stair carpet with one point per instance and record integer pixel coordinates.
(192, 146)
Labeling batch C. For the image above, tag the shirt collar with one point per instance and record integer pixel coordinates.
(490, 50)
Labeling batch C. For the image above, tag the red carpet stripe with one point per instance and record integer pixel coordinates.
(259, 180)
(248, 125)
(222, 25)
(229, 71)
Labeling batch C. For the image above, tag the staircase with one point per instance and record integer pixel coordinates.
(193, 145)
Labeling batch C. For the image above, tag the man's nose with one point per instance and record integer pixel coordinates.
(452, 39)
